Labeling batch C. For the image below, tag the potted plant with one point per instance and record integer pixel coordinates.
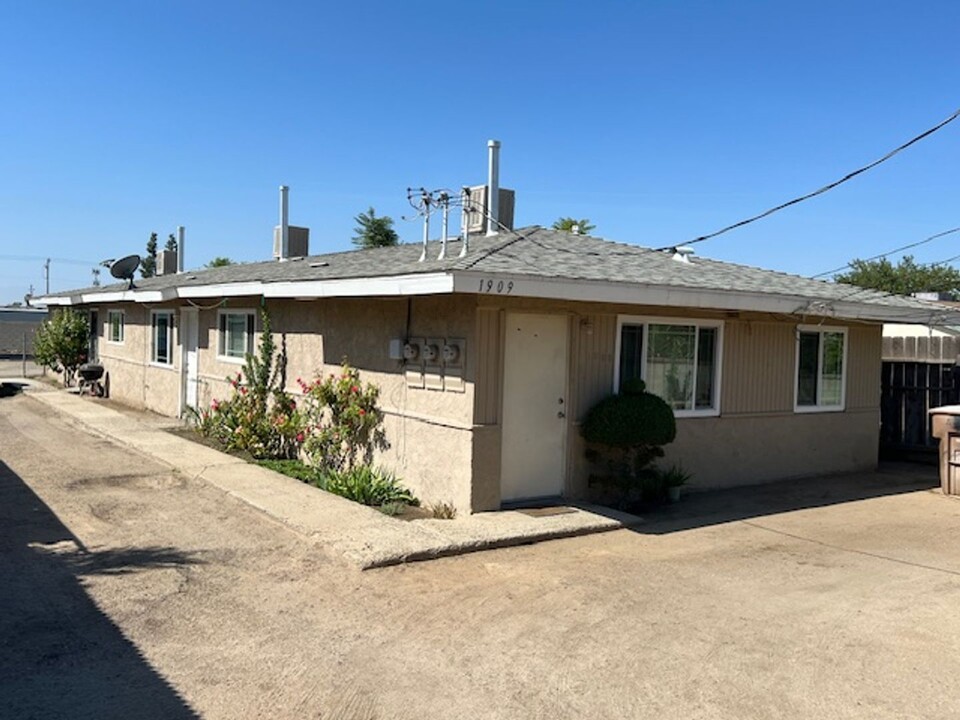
(673, 479)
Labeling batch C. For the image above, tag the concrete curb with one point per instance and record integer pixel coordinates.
(362, 535)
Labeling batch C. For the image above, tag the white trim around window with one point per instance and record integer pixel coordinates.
(695, 395)
(115, 330)
(236, 329)
(818, 385)
(161, 338)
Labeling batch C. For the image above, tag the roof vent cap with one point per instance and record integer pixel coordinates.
(682, 253)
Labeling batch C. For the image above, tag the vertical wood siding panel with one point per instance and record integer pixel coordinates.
(595, 361)
(863, 367)
(487, 391)
(758, 361)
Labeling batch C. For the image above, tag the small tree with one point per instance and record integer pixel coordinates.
(61, 343)
(569, 224)
(638, 424)
(219, 261)
(148, 265)
(373, 231)
(904, 278)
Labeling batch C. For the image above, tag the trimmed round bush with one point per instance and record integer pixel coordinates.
(631, 419)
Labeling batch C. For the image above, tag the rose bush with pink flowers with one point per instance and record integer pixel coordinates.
(342, 420)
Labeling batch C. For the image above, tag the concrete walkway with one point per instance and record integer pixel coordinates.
(362, 535)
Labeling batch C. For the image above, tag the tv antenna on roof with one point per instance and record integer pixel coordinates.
(124, 268)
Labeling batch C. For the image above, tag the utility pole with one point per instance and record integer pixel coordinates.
(46, 274)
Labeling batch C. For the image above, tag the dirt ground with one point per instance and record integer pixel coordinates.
(128, 591)
(15, 367)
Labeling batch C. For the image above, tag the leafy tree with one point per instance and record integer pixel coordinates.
(567, 224)
(61, 343)
(220, 261)
(373, 231)
(148, 265)
(904, 278)
(171, 243)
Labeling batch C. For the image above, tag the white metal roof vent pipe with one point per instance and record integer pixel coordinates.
(425, 201)
(682, 253)
(465, 210)
(284, 222)
(493, 187)
(179, 248)
(444, 231)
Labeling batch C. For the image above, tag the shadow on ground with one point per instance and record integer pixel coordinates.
(702, 509)
(61, 657)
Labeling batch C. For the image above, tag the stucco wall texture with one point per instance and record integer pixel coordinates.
(446, 445)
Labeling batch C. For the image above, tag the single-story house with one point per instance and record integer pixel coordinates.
(488, 362)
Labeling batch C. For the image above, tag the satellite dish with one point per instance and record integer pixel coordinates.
(125, 267)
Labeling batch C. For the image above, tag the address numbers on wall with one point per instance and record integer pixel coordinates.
(494, 286)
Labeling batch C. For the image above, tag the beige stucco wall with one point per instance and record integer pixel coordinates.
(758, 437)
(129, 376)
(446, 445)
(430, 431)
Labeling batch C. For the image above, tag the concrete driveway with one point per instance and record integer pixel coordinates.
(129, 591)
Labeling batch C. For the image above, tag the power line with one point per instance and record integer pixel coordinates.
(886, 293)
(43, 258)
(889, 252)
(825, 188)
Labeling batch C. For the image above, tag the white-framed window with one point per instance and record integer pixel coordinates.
(821, 376)
(115, 326)
(161, 333)
(679, 359)
(235, 336)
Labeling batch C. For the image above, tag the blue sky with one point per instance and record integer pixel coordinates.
(659, 121)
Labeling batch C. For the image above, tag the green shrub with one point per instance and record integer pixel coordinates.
(342, 420)
(638, 424)
(631, 419)
(367, 485)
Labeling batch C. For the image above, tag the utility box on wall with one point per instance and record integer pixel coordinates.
(431, 363)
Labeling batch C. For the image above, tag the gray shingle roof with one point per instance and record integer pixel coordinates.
(536, 252)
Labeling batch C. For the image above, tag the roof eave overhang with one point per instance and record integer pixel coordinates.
(685, 297)
(507, 284)
(387, 285)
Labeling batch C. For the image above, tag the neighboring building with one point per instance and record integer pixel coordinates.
(771, 376)
(17, 328)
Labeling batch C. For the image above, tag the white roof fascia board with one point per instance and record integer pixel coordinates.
(218, 290)
(141, 296)
(411, 284)
(416, 284)
(59, 300)
(674, 296)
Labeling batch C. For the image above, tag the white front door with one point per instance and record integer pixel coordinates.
(534, 406)
(191, 369)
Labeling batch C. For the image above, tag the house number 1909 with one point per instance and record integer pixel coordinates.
(500, 287)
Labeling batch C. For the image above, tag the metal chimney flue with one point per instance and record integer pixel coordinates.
(284, 222)
(493, 187)
(180, 232)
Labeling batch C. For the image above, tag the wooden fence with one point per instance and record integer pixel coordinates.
(918, 374)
